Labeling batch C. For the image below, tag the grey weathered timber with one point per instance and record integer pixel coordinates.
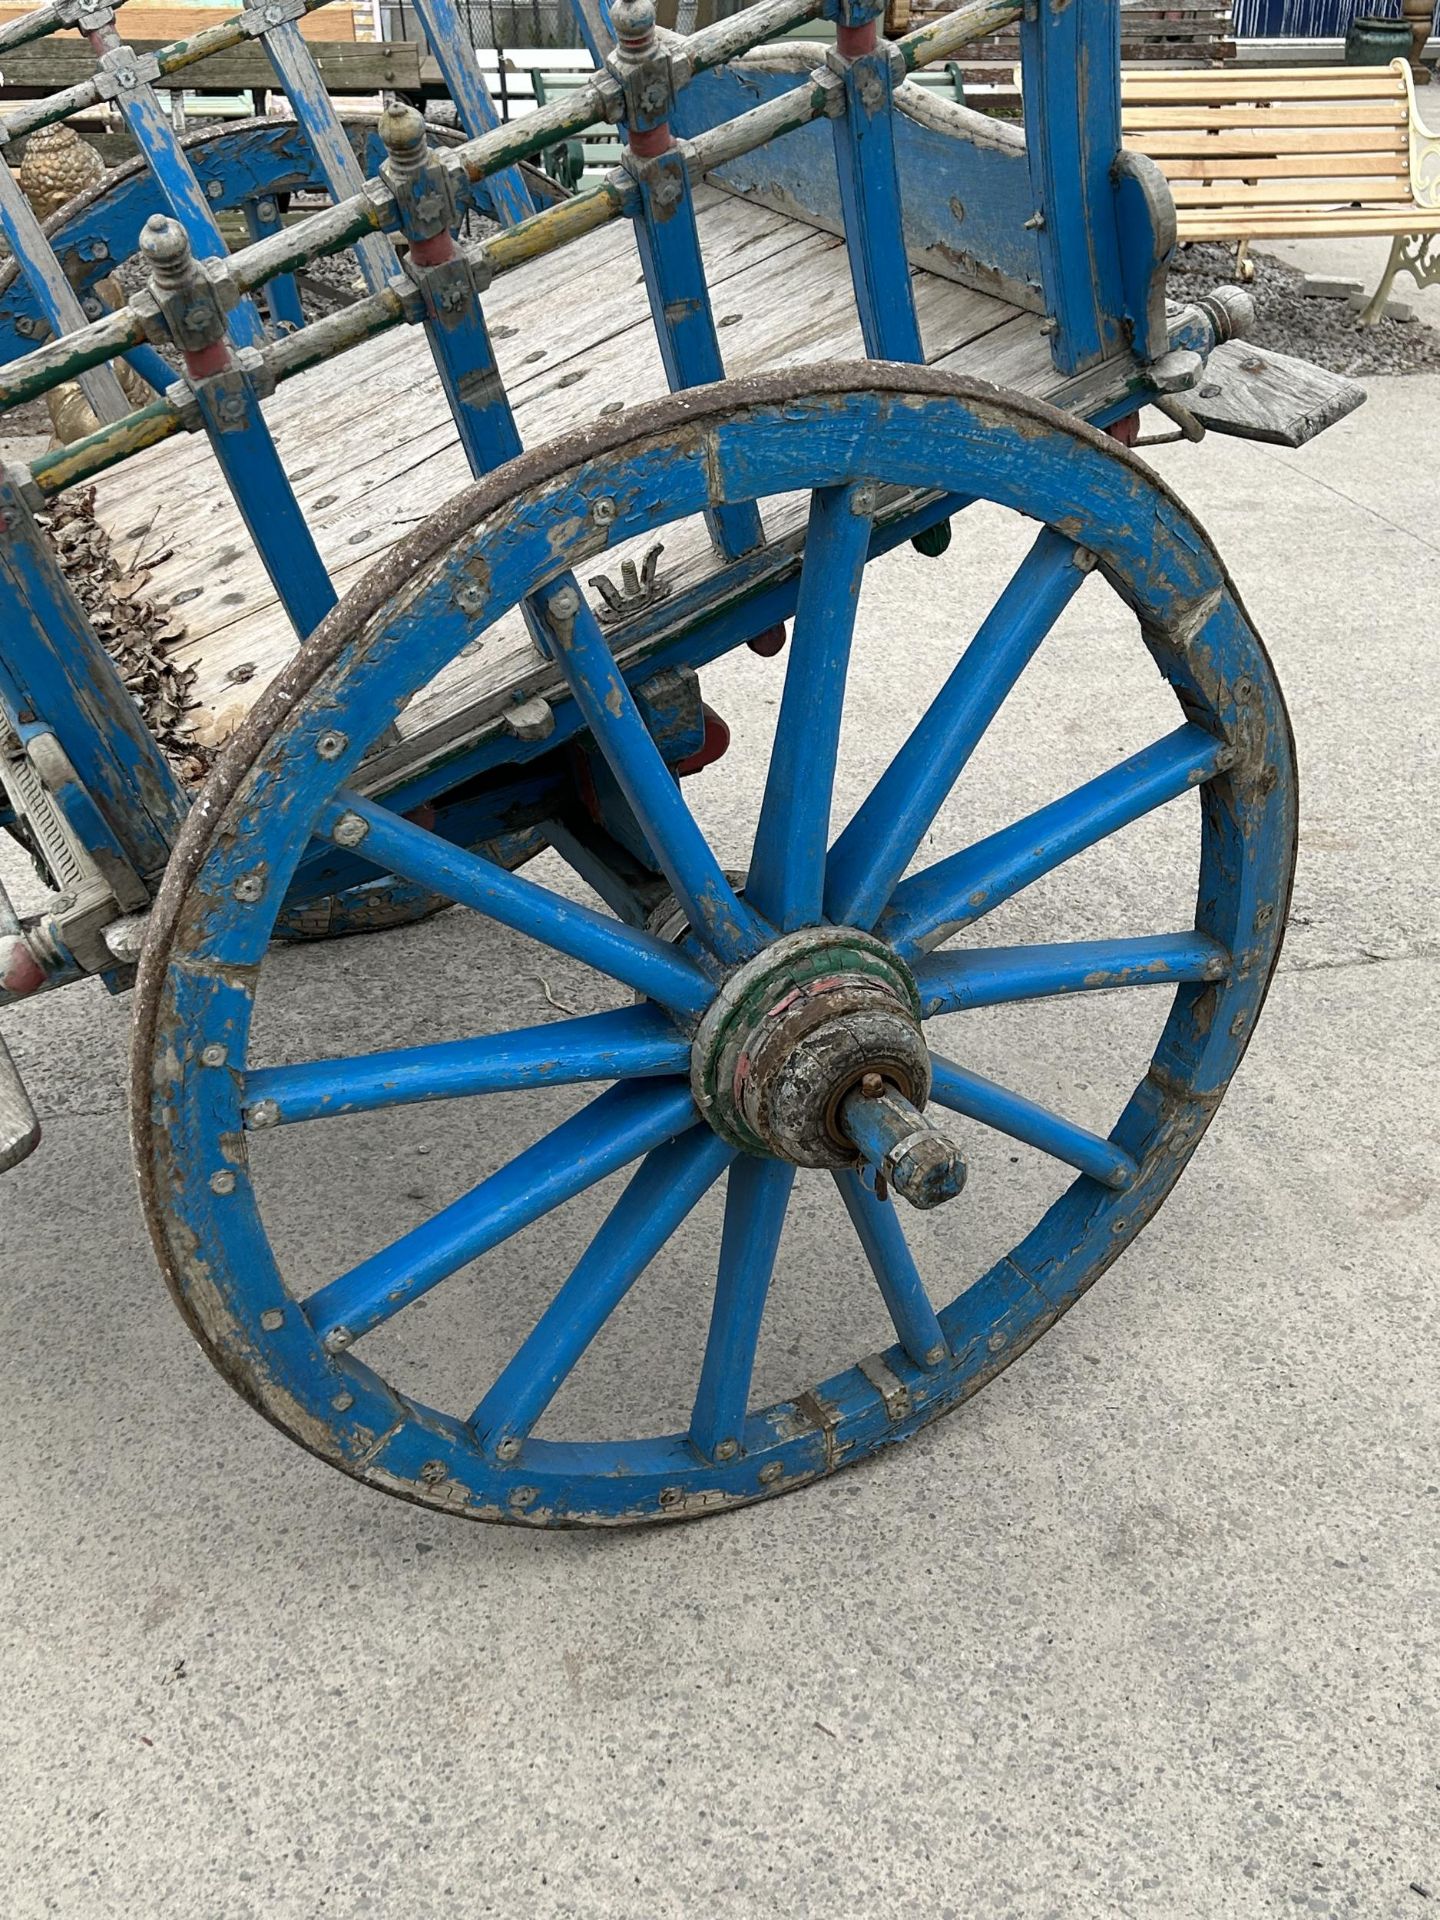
(1254, 394)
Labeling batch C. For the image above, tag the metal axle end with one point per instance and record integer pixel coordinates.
(907, 1151)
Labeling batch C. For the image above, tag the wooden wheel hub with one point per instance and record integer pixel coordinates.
(794, 1031)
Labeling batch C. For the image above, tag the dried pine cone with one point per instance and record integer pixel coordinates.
(58, 164)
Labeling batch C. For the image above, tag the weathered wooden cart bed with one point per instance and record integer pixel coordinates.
(372, 447)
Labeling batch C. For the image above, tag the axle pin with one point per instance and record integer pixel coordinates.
(906, 1150)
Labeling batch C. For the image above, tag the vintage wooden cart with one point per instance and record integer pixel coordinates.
(498, 659)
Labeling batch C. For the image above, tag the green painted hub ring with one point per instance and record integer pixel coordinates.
(753, 991)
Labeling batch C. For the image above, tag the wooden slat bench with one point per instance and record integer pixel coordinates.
(1295, 153)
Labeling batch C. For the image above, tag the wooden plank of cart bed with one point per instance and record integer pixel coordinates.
(536, 302)
(369, 495)
(399, 459)
(766, 332)
(381, 390)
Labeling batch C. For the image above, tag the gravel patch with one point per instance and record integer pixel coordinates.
(1323, 331)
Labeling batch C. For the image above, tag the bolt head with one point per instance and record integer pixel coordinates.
(223, 1181)
(343, 1402)
(565, 603)
(331, 745)
(266, 209)
(433, 1472)
(338, 1339)
(508, 1449)
(248, 889)
(349, 830)
(936, 1354)
(214, 189)
(603, 510)
(264, 1113)
(523, 1496)
(727, 1449)
(212, 1056)
(771, 1472)
(272, 1319)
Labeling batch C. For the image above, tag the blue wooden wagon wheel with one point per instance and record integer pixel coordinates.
(784, 1026)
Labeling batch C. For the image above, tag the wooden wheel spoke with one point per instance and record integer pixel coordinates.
(623, 1123)
(994, 976)
(881, 1234)
(626, 954)
(787, 868)
(666, 1187)
(727, 926)
(1011, 1113)
(757, 1196)
(964, 888)
(630, 1042)
(867, 860)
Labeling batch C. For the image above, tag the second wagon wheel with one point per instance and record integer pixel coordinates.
(776, 1043)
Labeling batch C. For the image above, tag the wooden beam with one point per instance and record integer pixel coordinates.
(346, 66)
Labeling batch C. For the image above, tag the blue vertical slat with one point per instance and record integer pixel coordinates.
(43, 274)
(156, 138)
(870, 202)
(260, 486)
(1070, 58)
(507, 191)
(262, 218)
(670, 258)
(297, 73)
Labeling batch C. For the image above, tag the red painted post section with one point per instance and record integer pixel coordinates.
(649, 142)
(435, 251)
(206, 361)
(851, 42)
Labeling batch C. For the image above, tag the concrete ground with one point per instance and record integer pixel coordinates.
(1151, 1627)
